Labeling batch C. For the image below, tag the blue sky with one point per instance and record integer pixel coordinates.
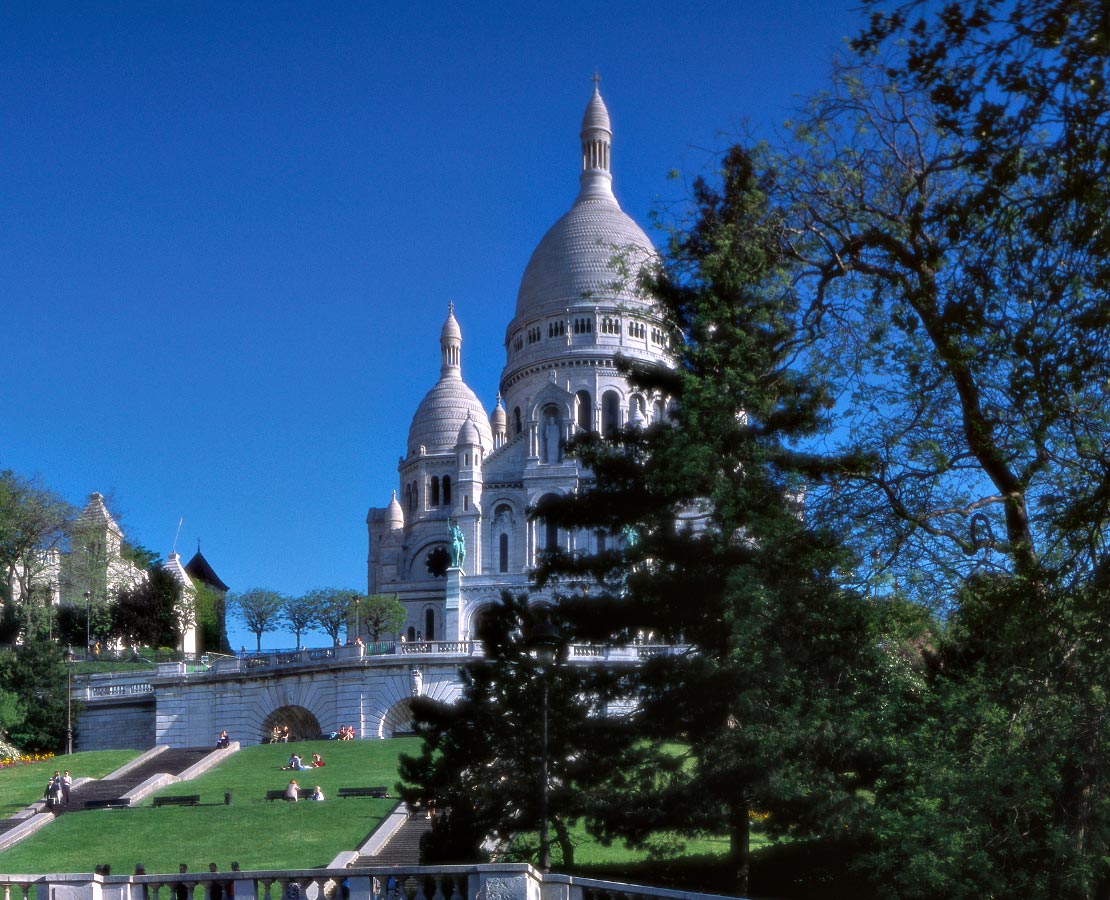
(229, 232)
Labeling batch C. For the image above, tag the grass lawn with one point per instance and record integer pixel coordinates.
(21, 786)
(255, 833)
(275, 835)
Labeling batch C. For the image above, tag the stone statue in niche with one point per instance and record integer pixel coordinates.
(551, 447)
(458, 544)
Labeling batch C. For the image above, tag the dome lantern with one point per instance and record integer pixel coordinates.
(597, 138)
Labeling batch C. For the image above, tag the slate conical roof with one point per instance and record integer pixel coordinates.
(199, 569)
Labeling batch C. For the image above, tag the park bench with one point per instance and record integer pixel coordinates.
(178, 800)
(279, 794)
(114, 803)
(379, 792)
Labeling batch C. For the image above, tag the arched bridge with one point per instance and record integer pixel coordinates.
(313, 692)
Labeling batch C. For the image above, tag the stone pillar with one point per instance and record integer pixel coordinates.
(452, 625)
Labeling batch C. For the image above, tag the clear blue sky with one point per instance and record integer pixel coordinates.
(229, 231)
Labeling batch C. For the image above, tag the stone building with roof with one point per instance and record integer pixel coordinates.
(577, 310)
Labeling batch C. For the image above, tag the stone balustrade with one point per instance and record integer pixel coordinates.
(511, 881)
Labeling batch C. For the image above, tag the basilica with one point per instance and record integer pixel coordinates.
(457, 531)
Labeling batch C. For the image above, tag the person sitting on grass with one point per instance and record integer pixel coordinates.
(294, 763)
(317, 761)
(318, 794)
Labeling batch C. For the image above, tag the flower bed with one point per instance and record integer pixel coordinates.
(8, 762)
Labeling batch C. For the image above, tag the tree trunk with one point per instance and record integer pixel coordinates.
(739, 847)
(566, 845)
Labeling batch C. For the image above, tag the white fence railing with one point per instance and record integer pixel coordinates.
(513, 881)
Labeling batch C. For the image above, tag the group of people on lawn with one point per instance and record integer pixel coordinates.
(297, 764)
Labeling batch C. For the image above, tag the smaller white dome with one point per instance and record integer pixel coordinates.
(499, 419)
(394, 515)
(468, 434)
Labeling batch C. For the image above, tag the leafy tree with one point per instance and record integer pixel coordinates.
(259, 609)
(770, 703)
(34, 525)
(142, 557)
(946, 205)
(331, 610)
(481, 760)
(381, 614)
(36, 674)
(209, 609)
(298, 616)
(148, 613)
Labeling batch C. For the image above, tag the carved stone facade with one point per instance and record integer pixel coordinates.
(578, 308)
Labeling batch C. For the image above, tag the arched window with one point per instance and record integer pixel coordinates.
(659, 411)
(433, 492)
(446, 490)
(503, 553)
(550, 529)
(429, 625)
(584, 411)
(551, 536)
(516, 421)
(610, 412)
(412, 633)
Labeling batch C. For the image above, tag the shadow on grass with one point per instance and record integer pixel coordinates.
(799, 870)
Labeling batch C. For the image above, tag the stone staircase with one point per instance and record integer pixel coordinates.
(403, 849)
(171, 762)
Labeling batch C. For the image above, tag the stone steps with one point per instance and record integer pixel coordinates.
(170, 762)
(403, 849)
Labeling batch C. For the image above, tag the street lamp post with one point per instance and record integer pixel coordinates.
(69, 700)
(88, 623)
(544, 640)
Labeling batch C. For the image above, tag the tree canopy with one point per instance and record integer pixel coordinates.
(877, 517)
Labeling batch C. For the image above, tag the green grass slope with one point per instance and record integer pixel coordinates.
(255, 833)
(22, 785)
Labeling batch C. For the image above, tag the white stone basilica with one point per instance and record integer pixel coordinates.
(577, 310)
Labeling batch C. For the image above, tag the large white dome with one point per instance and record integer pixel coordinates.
(580, 260)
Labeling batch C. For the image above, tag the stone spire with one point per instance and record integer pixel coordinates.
(450, 343)
(597, 136)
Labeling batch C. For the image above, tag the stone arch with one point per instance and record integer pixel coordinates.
(397, 721)
(476, 617)
(610, 412)
(303, 725)
(584, 411)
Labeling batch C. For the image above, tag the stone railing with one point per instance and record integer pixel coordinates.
(511, 881)
(101, 687)
(125, 684)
